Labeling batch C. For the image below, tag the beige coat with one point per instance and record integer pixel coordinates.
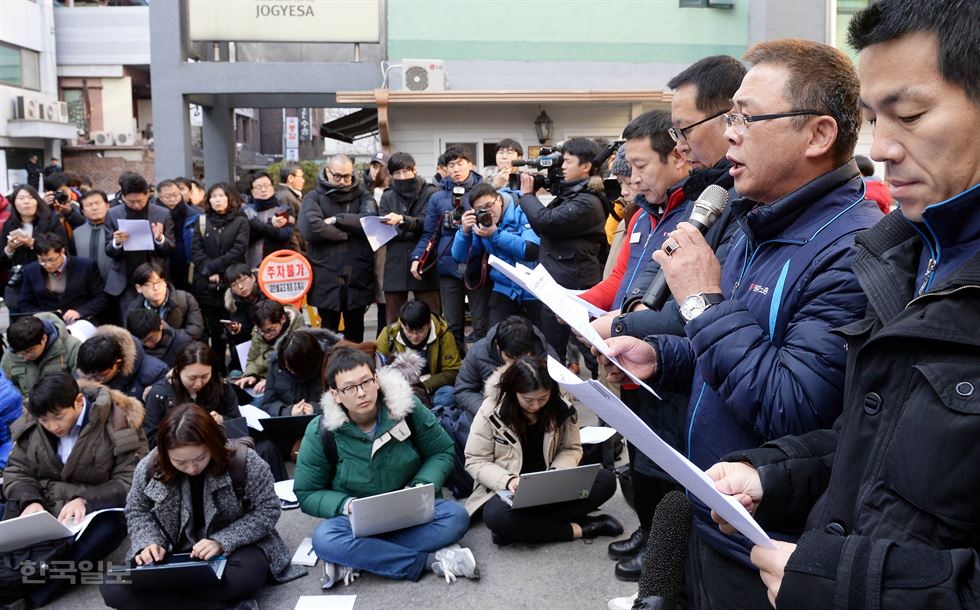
(493, 449)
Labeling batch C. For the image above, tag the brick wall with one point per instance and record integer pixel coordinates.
(104, 171)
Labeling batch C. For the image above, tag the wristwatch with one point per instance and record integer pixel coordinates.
(695, 305)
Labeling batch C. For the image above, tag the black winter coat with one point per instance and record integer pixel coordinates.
(25, 255)
(894, 487)
(223, 244)
(410, 203)
(283, 390)
(572, 234)
(161, 399)
(342, 259)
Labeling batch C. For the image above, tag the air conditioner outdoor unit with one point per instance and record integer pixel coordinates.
(63, 110)
(52, 112)
(28, 108)
(424, 75)
(102, 138)
(124, 139)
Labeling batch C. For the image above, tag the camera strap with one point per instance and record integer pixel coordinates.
(484, 268)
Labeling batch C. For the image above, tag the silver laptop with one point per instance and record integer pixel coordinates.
(392, 511)
(552, 486)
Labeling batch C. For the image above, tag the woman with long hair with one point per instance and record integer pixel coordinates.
(195, 378)
(218, 240)
(30, 216)
(524, 426)
(227, 492)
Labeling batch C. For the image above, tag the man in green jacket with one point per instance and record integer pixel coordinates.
(39, 344)
(385, 440)
(417, 329)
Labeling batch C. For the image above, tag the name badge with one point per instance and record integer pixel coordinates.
(635, 238)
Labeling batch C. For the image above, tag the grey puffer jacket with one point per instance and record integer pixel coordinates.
(157, 513)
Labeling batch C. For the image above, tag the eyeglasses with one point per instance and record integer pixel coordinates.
(341, 177)
(155, 283)
(271, 331)
(679, 134)
(241, 283)
(740, 122)
(354, 390)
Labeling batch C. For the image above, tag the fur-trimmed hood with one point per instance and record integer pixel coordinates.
(130, 407)
(395, 394)
(132, 351)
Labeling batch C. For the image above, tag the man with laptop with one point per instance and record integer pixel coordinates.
(374, 463)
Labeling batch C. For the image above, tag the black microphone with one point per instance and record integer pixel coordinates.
(664, 557)
(707, 209)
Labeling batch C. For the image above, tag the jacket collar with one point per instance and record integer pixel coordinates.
(395, 396)
(952, 223)
(796, 216)
(700, 179)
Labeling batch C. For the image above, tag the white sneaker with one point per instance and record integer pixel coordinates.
(622, 603)
(453, 561)
(334, 573)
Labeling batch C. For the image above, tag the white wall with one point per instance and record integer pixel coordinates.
(420, 130)
(117, 105)
(22, 23)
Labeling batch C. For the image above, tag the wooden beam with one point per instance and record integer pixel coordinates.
(367, 98)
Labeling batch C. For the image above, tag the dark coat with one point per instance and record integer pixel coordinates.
(223, 244)
(260, 229)
(117, 281)
(398, 258)
(161, 399)
(283, 390)
(99, 468)
(24, 255)
(763, 362)
(891, 494)
(139, 370)
(342, 259)
(290, 199)
(171, 344)
(180, 310)
(572, 234)
(84, 290)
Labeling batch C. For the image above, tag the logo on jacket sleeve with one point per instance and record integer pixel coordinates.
(759, 288)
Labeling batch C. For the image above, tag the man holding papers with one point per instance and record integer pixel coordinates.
(74, 453)
(758, 355)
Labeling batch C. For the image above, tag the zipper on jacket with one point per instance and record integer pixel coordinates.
(928, 276)
(941, 293)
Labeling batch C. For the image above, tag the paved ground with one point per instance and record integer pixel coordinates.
(568, 575)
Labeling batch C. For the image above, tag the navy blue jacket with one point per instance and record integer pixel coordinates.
(84, 289)
(11, 406)
(763, 362)
(439, 204)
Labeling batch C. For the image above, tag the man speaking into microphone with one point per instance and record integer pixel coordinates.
(758, 355)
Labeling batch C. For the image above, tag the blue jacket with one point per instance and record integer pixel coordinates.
(11, 406)
(764, 363)
(439, 204)
(514, 241)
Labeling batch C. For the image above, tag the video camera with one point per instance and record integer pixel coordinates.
(549, 160)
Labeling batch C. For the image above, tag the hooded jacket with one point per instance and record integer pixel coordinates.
(396, 458)
(494, 453)
(441, 353)
(157, 513)
(410, 198)
(11, 407)
(139, 370)
(283, 390)
(342, 258)
(99, 468)
(258, 353)
(440, 203)
(59, 354)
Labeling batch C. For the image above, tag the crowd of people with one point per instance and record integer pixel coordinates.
(815, 354)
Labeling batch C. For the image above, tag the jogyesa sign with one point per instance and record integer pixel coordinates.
(285, 20)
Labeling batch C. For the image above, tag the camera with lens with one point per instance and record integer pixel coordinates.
(549, 160)
(61, 197)
(16, 275)
(484, 218)
(452, 218)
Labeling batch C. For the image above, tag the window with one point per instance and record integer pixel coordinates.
(474, 150)
(75, 98)
(20, 67)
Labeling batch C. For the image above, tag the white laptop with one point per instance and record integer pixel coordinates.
(552, 486)
(392, 511)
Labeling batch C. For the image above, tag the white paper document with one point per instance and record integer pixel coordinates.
(325, 602)
(595, 312)
(81, 329)
(24, 531)
(140, 235)
(612, 411)
(304, 555)
(593, 435)
(253, 416)
(284, 489)
(377, 232)
(556, 298)
(242, 350)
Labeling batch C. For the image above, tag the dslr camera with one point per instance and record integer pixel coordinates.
(484, 218)
(452, 218)
(61, 197)
(549, 161)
